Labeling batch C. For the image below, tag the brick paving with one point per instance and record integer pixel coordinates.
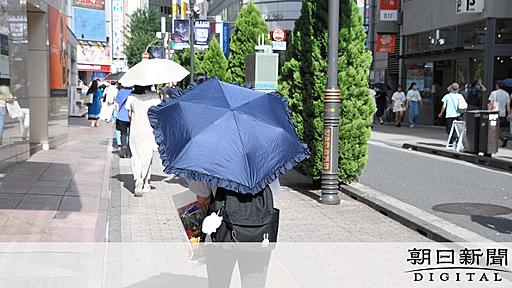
(154, 217)
(60, 194)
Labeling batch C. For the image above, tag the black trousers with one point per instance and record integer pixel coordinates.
(449, 123)
(124, 127)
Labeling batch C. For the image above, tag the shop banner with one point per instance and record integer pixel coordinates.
(470, 6)
(117, 29)
(93, 4)
(389, 10)
(89, 24)
(181, 34)
(93, 54)
(58, 36)
(202, 32)
(386, 43)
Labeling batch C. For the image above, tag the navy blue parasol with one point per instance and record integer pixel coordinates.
(227, 136)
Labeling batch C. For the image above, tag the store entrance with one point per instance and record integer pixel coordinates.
(444, 75)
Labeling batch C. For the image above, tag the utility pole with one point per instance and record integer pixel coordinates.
(192, 39)
(330, 182)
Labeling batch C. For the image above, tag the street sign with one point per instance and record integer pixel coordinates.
(145, 55)
(278, 35)
(470, 6)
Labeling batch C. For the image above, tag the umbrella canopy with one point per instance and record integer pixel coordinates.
(154, 71)
(227, 136)
(114, 77)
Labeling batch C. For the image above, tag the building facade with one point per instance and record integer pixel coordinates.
(36, 60)
(90, 20)
(438, 42)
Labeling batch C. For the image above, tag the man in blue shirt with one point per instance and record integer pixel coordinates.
(123, 121)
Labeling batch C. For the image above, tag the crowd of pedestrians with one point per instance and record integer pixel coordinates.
(408, 105)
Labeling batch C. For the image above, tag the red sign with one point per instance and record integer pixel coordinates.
(278, 35)
(93, 4)
(145, 55)
(389, 4)
(386, 43)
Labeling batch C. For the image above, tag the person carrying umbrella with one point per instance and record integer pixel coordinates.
(232, 155)
(142, 77)
(141, 136)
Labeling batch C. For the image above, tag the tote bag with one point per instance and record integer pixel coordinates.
(14, 109)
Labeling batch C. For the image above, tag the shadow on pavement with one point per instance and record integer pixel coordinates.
(127, 180)
(171, 280)
(499, 224)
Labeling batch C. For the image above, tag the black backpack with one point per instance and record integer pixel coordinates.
(245, 217)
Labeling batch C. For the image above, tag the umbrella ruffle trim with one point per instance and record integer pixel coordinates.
(233, 185)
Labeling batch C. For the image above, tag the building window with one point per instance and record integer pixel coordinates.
(504, 31)
(472, 36)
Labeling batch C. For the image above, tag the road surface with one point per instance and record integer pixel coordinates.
(425, 180)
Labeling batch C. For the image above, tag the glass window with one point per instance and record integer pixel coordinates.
(504, 31)
(421, 74)
(471, 36)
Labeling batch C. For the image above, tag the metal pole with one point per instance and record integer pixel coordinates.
(191, 39)
(330, 182)
(163, 29)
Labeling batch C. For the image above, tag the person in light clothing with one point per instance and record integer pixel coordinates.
(413, 104)
(142, 141)
(499, 100)
(398, 99)
(451, 106)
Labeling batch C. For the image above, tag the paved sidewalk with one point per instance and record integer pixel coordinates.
(61, 194)
(154, 217)
(426, 135)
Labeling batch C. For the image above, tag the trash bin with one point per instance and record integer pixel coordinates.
(472, 121)
(489, 132)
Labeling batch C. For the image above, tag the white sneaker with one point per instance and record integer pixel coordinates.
(146, 189)
(138, 188)
(411, 126)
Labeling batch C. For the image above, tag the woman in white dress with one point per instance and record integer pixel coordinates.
(398, 105)
(142, 140)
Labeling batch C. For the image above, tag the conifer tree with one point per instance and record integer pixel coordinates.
(214, 62)
(304, 77)
(248, 27)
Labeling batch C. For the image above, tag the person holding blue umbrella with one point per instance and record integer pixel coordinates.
(232, 144)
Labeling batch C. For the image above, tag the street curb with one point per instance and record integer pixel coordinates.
(416, 221)
(471, 158)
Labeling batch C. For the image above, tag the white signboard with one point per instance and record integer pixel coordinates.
(279, 46)
(94, 54)
(470, 6)
(388, 15)
(117, 29)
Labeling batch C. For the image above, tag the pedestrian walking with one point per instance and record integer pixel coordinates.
(474, 95)
(94, 108)
(220, 263)
(451, 102)
(381, 101)
(414, 102)
(499, 100)
(123, 121)
(142, 141)
(398, 99)
(108, 107)
(173, 91)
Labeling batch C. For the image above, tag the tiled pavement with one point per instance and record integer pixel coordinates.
(154, 217)
(61, 194)
(64, 195)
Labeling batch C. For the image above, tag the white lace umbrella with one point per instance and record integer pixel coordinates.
(154, 71)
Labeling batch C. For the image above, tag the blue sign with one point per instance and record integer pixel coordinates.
(89, 24)
(225, 39)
